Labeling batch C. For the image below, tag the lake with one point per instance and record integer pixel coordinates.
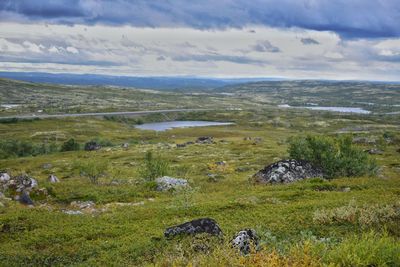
(168, 125)
(333, 109)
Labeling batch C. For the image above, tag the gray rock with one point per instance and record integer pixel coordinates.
(125, 145)
(23, 182)
(287, 171)
(245, 240)
(203, 225)
(166, 183)
(205, 140)
(53, 179)
(4, 177)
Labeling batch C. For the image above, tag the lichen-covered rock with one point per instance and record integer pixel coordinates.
(287, 171)
(22, 183)
(53, 179)
(198, 226)
(167, 183)
(125, 145)
(205, 140)
(245, 240)
(374, 151)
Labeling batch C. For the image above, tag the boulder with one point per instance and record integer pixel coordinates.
(198, 226)
(53, 179)
(22, 183)
(92, 146)
(287, 171)
(205, 140)
(166, 183)
(245, 240)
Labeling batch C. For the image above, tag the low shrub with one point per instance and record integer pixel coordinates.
(337, 157)
(92, 169)
(154, 167)
(70, 145)
(364, 216)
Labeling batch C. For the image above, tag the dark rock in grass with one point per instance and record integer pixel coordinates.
(287, 171)
(25, 199)
(374, 151)
(198, 226)
(92, 146)
(245, 240)
(205, 140)
(53, 179)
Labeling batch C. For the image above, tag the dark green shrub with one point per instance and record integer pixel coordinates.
(338, 157)
(154, 167)
(70, 145)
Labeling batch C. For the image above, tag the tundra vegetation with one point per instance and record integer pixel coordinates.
(106, 211)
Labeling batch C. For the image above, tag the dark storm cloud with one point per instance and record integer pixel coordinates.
(265, 46)
(348, 18)
(309, 41)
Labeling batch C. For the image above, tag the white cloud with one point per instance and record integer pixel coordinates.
(183, 51)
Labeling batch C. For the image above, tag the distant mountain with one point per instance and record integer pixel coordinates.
(126, 81)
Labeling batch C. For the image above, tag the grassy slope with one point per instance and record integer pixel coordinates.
(132, 235)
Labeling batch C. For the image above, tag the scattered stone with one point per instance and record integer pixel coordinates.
(287, 171)
(242, 169)
(205, 140)
(73, 212)
(374, 151)
(181, 145)
(221, 163)
(247, 138)
(167, 183)
(125, 145)
(346, 189)
(53, 179)
(82, 204)
(4, 177)
(203, 225)
(25, 199)
(257, 140)
(245, 240)
(92, 146)
(22, 183)
(47, 166)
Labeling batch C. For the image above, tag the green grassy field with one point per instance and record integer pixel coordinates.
(126, 225)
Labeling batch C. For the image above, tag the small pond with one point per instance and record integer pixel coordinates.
(333, 109)
(167, 125)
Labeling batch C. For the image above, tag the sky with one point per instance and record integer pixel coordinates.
(297, 39)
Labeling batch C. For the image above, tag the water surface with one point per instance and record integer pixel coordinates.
(167, 125)
(333, 109)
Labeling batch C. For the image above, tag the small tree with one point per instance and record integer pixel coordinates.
(93, 169)
(154, 167)
(335, 156)
(70, 145)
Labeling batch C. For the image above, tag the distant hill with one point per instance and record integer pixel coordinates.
(125, 81)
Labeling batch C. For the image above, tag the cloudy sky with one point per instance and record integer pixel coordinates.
(340, 39)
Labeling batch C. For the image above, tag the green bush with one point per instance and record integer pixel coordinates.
(154, 167)
(337, 157)
(70, 145)
(18, 148)
(92, 168)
